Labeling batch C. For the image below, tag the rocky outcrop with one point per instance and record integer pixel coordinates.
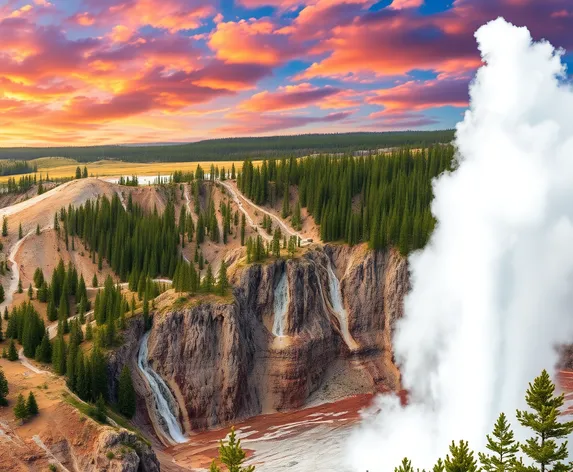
(71, 441)
(223, 363)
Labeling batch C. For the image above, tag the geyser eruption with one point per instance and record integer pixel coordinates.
(493, 291)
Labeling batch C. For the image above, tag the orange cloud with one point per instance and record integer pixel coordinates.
(254, 40)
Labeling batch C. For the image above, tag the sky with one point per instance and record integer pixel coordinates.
(89, 72)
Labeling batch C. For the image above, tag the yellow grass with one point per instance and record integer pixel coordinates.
(60, 167)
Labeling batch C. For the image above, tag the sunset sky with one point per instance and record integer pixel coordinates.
(76, 72)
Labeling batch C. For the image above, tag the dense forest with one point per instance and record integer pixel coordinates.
(383, 200)
(17, 167)
(239, 148)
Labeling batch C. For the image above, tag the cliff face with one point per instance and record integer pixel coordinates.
(223, 362)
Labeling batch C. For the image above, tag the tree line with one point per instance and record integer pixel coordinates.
(383, 200)
(238, 148)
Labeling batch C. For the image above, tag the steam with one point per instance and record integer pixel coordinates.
(493, 291)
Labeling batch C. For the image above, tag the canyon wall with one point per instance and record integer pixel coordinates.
(223, 363)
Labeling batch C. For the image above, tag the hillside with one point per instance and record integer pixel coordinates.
(237, 148)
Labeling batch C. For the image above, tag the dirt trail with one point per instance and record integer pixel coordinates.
(241, 200)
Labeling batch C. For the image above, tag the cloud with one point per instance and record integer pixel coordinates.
(172, 15)
(419, 95)
(254, 40)
(289, 97)
(246, 124)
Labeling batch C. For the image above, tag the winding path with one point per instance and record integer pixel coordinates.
(239, 198)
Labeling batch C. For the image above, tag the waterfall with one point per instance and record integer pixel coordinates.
(280, 306)
(338, 307)
(165, 403)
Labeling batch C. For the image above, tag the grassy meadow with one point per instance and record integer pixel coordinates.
(59, 167)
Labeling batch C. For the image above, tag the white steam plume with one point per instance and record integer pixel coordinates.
(493, 291)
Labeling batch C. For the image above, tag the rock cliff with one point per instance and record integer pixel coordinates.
(222, 361)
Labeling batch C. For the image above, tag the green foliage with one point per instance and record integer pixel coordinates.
(32, 405)
(222, 279)
(20, 409)
(383, 200)
(12, 353)
(231, 455)
(461, 459)
(503, 446)
(548, 448)
(3, 388)
(98, 412)
(126, 394)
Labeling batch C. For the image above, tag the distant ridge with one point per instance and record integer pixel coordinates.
(236, 148)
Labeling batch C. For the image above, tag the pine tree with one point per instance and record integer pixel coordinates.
(20, 232)
(20, 289)
(126, 394)
(461, 459)
(3, 389)
(31, 405)
(38, 229)
(95, 282)
(503, 446)
(12, 353)
(4, 226)
(222, 281)
(208, 280)
(405, 466)
(30, 292)
(20, 410)
(231, 454)
(2, 294)
(44, 350)
(89, 332)
(544, 449)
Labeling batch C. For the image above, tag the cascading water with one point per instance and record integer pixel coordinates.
(164, 401)
(338, 307)
(280, 306)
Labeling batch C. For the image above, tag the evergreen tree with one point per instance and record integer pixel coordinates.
(95, 282)
(12, 353)
(405, 466)
(461, 459)
(30, 292)
(59, 354)
(20, 289)
(3, 389)
(126, 394)
(38, 229)
(231, 455)
(222, 280)
(20, 232)
(208, 280)
(20, 410)
(85, 173)
(548, 448)
(4, 226)
(2, 294)
(503, 446)
(31, 405)
(78, 173)
(89, 332)
(44, 350)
